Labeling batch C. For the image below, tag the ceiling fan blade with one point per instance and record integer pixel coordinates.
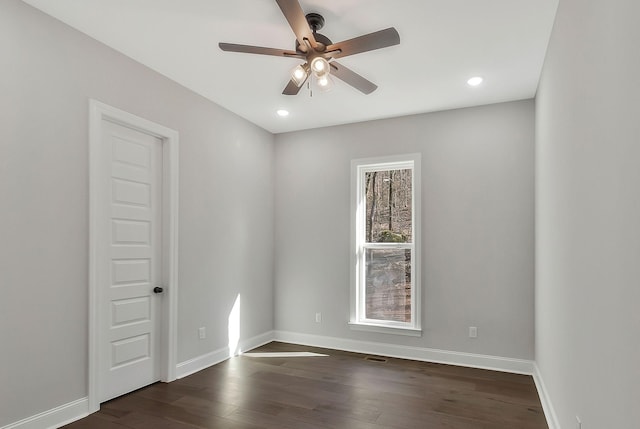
(248, 49)
(292, 88)
(295, 16)
(368, 42)
(352, 78)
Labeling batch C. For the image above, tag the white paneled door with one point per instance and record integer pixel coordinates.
(129, 261)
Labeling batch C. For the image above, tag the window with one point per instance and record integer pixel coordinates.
(385, 279)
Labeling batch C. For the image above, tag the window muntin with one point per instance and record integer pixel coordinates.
(385, 292)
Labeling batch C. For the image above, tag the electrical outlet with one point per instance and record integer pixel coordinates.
(578, 423)
(473, 332)
(202, 333)
(318, 317)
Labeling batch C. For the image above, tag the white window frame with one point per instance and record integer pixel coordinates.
(357, 319)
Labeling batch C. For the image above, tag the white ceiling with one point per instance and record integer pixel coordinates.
(442, 44)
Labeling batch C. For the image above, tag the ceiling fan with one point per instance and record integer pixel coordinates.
(318, 52)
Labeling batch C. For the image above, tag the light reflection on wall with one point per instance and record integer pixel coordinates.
(234, 329)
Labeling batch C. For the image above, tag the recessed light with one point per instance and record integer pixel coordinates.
(475, 81)
(282, 113)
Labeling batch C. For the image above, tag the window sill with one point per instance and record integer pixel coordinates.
(385, 329)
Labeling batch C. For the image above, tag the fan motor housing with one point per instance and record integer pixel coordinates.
(316, 22)
(323, 42)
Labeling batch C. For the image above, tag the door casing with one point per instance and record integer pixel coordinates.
(98, 112)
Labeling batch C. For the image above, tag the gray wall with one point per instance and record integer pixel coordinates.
(47, 74)
(477, 226)
(588, 215)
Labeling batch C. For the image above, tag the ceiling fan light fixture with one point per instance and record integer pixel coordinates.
(320, 66)
(324, 83)
(300, 74)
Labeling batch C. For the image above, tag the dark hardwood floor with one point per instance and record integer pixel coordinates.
(342, 390)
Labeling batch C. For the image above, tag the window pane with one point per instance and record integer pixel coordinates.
(388, 284)
(388, 206)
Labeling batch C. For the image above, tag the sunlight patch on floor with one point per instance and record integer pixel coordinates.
(282, 354)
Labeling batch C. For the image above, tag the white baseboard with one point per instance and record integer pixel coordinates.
(257, 341)
(199, 363)
(497, 363)
(517, 366)
(545, 400)
(54, 418)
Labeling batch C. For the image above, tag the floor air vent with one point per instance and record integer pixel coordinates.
(375, 359)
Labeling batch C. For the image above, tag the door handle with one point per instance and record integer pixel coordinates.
(157, 289)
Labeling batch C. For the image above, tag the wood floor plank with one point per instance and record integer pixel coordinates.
(341, 390)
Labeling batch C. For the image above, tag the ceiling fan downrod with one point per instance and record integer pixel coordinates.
(315, 21)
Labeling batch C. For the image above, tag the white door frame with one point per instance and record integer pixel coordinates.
(168, 334)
